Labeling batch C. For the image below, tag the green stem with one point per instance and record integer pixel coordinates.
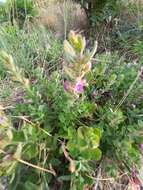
(128, 92)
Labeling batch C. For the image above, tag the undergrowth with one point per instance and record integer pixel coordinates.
(71, 117)
(85, 112)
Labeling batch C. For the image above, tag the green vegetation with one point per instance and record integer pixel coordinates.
(100, 10)
(17, 10)
(71, 113)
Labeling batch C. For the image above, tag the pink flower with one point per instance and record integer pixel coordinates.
(141, 146)
(79, 86)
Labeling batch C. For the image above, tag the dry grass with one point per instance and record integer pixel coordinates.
(62, 17)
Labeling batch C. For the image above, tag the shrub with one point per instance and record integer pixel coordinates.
(84, 116)
(99, 11)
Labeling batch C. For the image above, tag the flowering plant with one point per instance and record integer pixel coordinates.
(52, 133)
(65, 134)
(77, 63)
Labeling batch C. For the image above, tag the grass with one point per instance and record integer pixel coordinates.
(31, 51)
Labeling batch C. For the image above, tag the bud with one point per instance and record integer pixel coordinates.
(72, 166)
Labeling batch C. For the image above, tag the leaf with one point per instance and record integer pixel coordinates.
(72, 147)
(93, 137)
(80, 133)
(91, 154)
(77, 41)
(64, 178)
(69, 72)
(97, 131)
(82, 44)
(30, 132)
(18, 152)
(55, 162)
(69, 49)
(11, 168)
(140, 123)
(30, 151)
(112, 80)
(30, 186)
(71, 132)
(18, 136)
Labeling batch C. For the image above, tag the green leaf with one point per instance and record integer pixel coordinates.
(71, 132)
(18, 152)
(11, 168)
(30, 151)
(97, 131)
(73, 149)
(91, 154)
(69, 49)
(18, 136)
(140, 123)
(30, 186)
(80, 133)
(112, 80)
(64, 178)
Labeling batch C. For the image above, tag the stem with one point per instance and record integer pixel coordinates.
(35, 166)
(32, 124)
(128, 92)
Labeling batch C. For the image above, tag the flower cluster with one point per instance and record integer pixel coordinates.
(78, 63)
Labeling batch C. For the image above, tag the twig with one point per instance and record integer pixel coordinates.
(30, 122)
(6, 108)
(108, 179)
(35, 166)
(72, 164)
(97, 179)
(66, 153)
